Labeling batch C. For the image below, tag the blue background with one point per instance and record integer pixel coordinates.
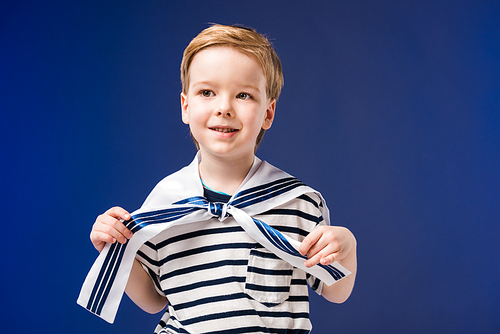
(390, 108)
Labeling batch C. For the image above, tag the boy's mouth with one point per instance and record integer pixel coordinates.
(224, 130)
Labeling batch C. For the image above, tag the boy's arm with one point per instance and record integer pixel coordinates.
(140, 288)
(327, 244)
(108, 228)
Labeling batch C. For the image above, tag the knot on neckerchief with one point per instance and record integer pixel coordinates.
(218, 210)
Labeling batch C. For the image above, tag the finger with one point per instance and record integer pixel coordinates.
(110, 230)
(99, 237)
(113, 227)
(327, 260)
(312, 261)
(321, 246)
(114, 217)
(324, 257)
(118, 212)
(309, 241)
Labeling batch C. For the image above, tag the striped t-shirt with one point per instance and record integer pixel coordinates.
(219, 280)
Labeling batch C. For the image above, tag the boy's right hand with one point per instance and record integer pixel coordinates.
(108, 228)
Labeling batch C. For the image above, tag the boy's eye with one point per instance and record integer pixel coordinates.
(243, 96)
(206, 93)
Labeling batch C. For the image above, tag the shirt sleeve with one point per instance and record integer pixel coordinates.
(147, 256)
(312, 203)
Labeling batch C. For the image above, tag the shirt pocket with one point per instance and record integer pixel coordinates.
(268, 277)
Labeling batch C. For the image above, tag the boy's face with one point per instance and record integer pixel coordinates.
(226, 104)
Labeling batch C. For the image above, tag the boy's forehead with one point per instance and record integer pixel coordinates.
(214, 53)
(226, 63)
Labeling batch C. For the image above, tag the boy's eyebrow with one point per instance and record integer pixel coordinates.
(253, 87)
(207, 82)
(197, 83)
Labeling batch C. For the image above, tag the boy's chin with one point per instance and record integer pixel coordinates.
(220, 152)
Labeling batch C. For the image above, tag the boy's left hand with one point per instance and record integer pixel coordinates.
(326, 244)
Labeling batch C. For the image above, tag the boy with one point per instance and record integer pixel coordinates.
(216, 273)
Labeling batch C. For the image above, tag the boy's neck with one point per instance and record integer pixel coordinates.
(224, 175)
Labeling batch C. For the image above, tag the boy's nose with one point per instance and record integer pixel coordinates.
(224, 113)
(224, 108)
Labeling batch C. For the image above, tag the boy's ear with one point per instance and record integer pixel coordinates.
(184, 108)
(269, 117)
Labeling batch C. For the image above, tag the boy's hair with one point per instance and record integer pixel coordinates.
(246, 41)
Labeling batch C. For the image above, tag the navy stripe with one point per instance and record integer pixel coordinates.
(102, 272)
(230, 279)
(315, 286)
(112, 277)
(257, 329)
(334, 272)
(204, 266)
(298, 281)
(148, 259)
(264, 186)
(289, 212)
(310, 200)
(299, 298)
(242, 313)
(103, 277)
(177, 330)
(272, 272)
(265, 195)
(209, 300)
(291, 230)
(159, 213)
(140, 223)
(276, 238)
(150, 245)
(154, 277)
(267, 288)
(265, 255)
(199, 233)
(266, 189)
(193, 200)
(205, 249)
(107, 274)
